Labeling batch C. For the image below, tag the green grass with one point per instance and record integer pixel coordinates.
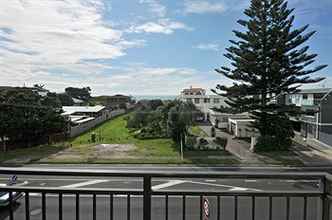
(150, 151)
(30, 154)
(197, 131)
(116, 132)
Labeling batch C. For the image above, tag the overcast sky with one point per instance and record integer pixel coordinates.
(137, 47)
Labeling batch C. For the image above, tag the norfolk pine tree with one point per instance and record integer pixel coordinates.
(268, 60)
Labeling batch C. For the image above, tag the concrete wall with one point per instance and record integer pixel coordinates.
(325, 135)
(81, 128)
(325, 129)
(326, 109)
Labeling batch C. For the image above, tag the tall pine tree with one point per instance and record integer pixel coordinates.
(268, 60)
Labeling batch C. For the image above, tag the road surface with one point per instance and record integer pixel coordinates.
(192, 204)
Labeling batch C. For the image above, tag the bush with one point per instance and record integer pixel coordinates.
(221, 142)
(270, 143)
(203, 143)
(191, 142)
(93, 137)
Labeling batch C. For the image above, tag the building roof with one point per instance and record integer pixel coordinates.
(68, 110)
(315, 91)
(84, 120)
(119, 96)
(193, 90)
(77, 101)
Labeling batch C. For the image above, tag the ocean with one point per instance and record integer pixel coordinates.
(151, 97)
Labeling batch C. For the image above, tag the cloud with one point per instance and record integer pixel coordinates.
(163, 26)
(155, 7)
(42, 35)
(129, 79)
(202, 7)
(209, 46)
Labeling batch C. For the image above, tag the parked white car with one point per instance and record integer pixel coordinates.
(4, 196)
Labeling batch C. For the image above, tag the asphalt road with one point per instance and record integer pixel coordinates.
(158, 203)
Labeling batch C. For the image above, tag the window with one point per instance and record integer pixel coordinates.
(196, 101)
(304, 96)
(216, 100)
(224, 119)
(206, 100)
(189, 100)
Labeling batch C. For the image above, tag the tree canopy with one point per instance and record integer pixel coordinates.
(27, 118)
(79, 93)
(268, 59)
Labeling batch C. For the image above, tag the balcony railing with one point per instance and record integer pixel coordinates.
(189, 199)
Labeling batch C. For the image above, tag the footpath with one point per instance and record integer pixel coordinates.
(308, 153)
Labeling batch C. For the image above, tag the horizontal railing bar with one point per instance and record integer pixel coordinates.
(161, 193)
(107, 191)
(164, 174)
(103, 191)
(240, 193)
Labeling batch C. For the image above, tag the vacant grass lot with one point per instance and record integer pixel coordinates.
(28, 155)
(161, 151)
(116, 132)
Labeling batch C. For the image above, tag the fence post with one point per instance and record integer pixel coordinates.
(326, 199)
(147, 197)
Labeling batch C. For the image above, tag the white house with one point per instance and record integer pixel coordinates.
(201, 100)
(83, 118)
(83, 114)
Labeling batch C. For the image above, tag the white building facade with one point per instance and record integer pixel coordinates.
(201, 100)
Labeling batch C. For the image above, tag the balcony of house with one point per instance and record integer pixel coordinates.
(108, 194)
(312, 119)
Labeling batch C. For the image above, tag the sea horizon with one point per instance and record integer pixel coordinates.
(152, 97)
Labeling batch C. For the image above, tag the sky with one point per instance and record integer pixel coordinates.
(134, 47)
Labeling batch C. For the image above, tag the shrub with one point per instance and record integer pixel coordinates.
(221, 142)
(213, 131)
(191, 142)
(203, 143)
(270, 143)
(93, 137)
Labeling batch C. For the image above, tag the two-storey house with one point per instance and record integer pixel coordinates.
(316, 123)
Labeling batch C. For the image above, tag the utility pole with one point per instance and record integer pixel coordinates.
(181, 147)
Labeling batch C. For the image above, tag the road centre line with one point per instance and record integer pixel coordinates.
(168, 184)
(87, 183)
(227, 186)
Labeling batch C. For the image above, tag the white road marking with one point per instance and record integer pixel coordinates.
(87, 183)
(250, 181)
(300, 181)
(227, 186)
(36, 212)
(211, 181)
(168, 184)
(240, 189)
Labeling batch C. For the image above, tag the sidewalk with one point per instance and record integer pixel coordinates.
(235, 147)
(315, 155)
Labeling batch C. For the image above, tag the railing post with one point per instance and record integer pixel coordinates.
(147, 197)
(326, 199)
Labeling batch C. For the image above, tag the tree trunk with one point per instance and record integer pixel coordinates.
(4, 147)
